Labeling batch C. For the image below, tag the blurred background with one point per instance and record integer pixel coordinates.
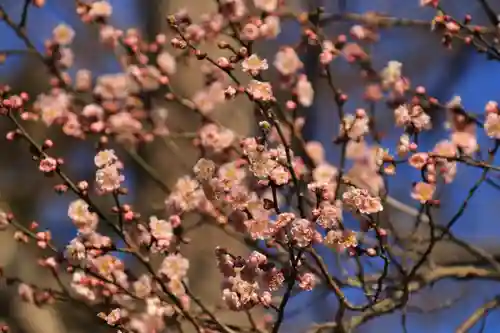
(445, 73)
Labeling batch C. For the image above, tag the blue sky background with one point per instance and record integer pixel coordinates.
(477, 82)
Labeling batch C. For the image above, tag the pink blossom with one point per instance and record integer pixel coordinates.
(266, 298)
(109, 178)
(355, 127)
(315, 151)
(162, 231)
(72, 126)
(445, 148)
(271, 27)
(114, 86)
(143, 78)
(326, 57)
(423, 192)
(491, 107)
(216, 92)
(305, 92)
(492, 125)
(204, 169)
(307, 281)
(4, 220)
(250, 32)
(176, 287)
(80, 288)
(105, 157)
(107, 265)
(280, 175)
(143, 286)
(157, 308)
(466, 141)
(115, 316)
(258, 228)
(76, 250)
(93, 111)
(204, 102)
(303, 232)
(167, 63)
(362, 201)
(124, 125)
(287, 61)
(283, 220)
(351, 51)
(391, 73)
(231, 175)
(52, 107)
(100, 9)
(186, 196)
(254, 64)
(26, 292)
(412, 115)
(431, 3)
(341, 240)
(324, 173)
(63, 34)
(108, 34)
(174, 266)
(266, 5)
(216, 138)
(329, 215)
(359, 32)
(83, 80)
(231, 299)
(418, 160)
(83, 219)
(260, 90)
(261, 164)
(47, 164)
(356, 150)
(66, 57)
